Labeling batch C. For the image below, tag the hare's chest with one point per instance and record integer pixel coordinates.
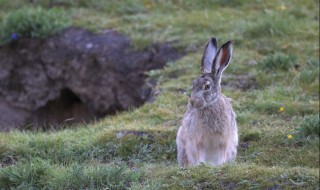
(205, 126)
(206, 133)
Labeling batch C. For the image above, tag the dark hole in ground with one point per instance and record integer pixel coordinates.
(75, 76)
(66, 109)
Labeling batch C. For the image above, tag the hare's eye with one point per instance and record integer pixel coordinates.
(207, 87)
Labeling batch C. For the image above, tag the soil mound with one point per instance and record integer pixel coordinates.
(74, 76)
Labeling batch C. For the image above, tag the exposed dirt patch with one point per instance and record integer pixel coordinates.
(244, 145)
(242, 82)
(142, 134)
(74, 76)
(228, 185)
(7, 161)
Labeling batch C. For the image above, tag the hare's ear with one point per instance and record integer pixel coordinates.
(221, 60)
(208, 56)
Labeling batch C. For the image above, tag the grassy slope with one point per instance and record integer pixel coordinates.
(93, 157)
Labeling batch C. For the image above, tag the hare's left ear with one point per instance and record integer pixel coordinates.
(221, 60)
(208, 56)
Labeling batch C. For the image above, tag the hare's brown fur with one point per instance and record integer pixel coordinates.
(209, 131)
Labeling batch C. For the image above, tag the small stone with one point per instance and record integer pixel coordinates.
(283, 176)
(251, 62)
(89, 45)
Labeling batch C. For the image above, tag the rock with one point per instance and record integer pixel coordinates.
(252, 62)
(74, 75)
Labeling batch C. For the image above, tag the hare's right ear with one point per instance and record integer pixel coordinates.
(208, 56)
(221, 61)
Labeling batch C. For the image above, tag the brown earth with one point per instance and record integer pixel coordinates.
(74, 76)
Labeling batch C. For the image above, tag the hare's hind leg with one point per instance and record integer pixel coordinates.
(232, 153)
(182, 157)
(181, 148)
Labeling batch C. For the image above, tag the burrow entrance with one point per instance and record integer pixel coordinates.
(65, 110)
(75, 76)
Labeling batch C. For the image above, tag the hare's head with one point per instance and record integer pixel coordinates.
(206, 88)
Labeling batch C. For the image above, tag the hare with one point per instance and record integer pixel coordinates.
(209, 131)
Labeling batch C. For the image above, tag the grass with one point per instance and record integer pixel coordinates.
(39, 173)
(278, 61)
(136, 149)
(310, 126)
(32, 23)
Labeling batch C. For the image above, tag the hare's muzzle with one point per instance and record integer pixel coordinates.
(196, 102)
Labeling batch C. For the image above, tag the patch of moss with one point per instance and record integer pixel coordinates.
(250, 136)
